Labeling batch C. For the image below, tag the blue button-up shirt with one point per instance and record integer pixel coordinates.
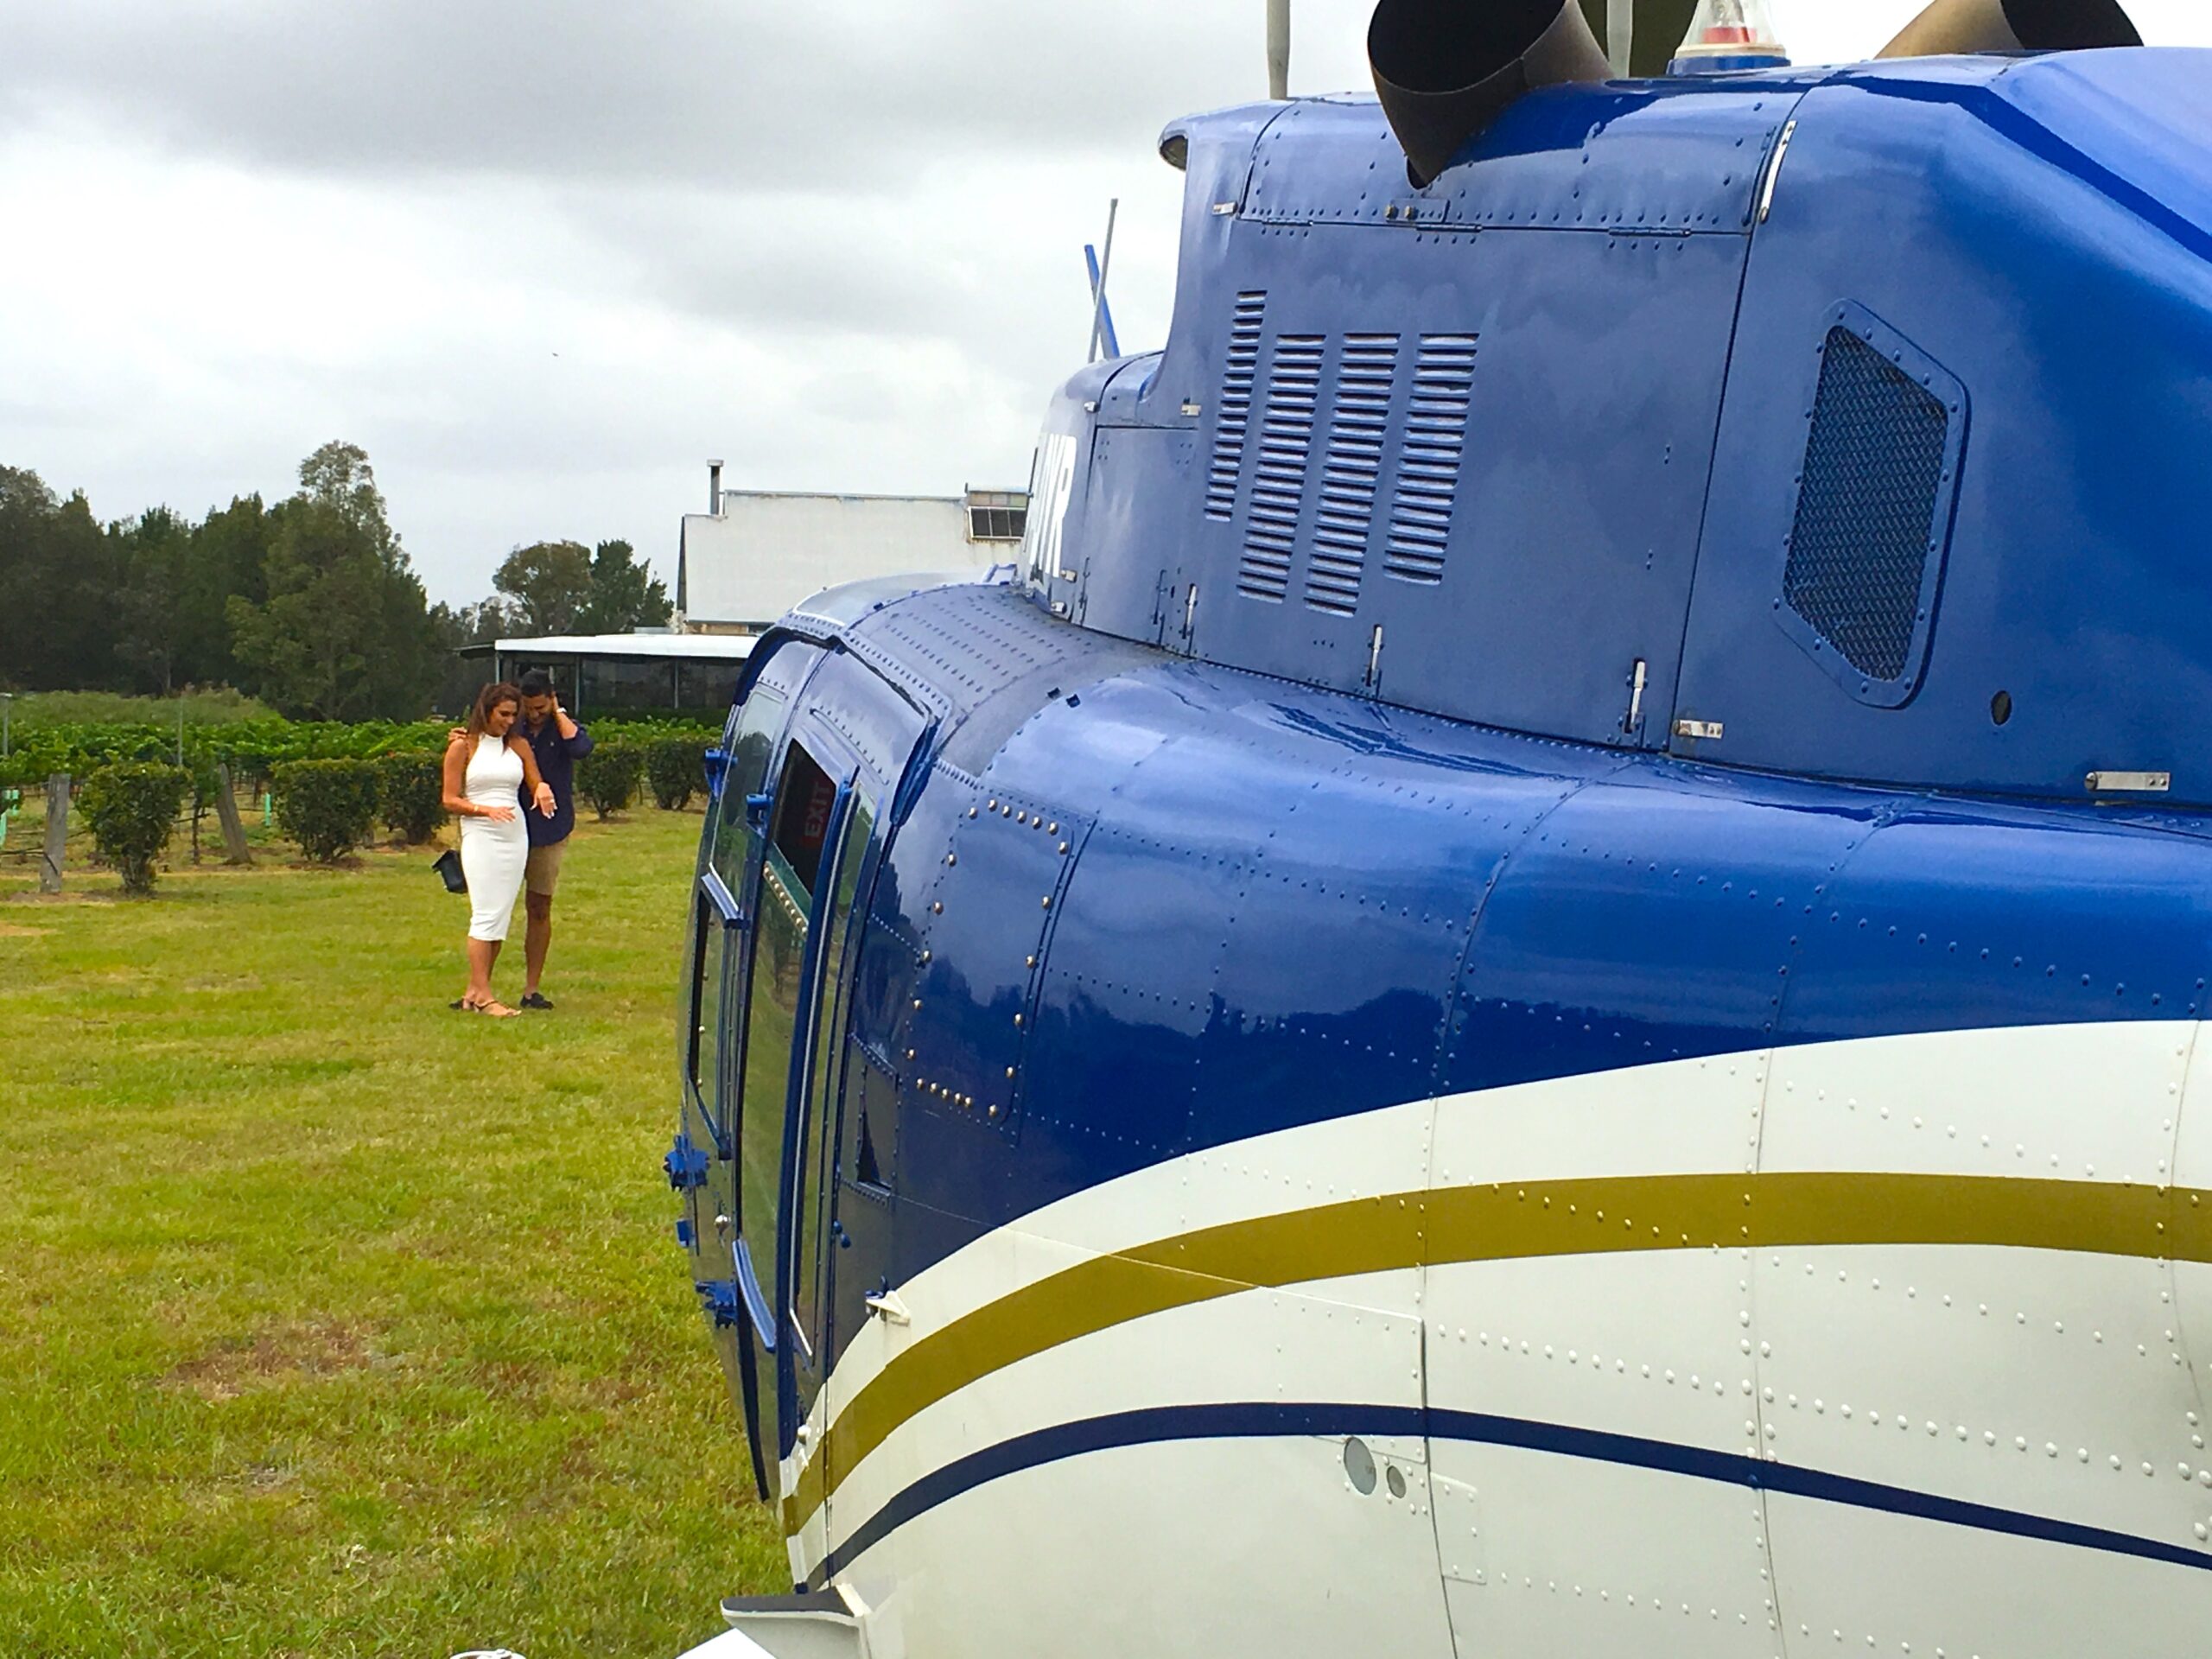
(556, 764)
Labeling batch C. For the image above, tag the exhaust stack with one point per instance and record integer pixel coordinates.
(1960, 26)
(1445, 71)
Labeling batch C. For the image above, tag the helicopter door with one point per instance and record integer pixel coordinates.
(703, 1164)
(827, 824)
(818, 1236)
(805, 807)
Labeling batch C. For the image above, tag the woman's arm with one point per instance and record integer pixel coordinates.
(456, 770)
(540, 791)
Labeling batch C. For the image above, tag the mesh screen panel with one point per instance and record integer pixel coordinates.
(1866, 509)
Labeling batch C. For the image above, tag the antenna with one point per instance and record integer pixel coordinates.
(1101, 319)
(1105, 329)
(1278, 49)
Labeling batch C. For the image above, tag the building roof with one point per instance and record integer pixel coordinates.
(766, 550)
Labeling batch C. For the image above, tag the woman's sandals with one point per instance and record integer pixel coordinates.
(492, 1010)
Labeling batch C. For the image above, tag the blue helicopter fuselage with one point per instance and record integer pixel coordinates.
(1720, 571)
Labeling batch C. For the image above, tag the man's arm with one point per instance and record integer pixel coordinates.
(574, 738)
(534, 786)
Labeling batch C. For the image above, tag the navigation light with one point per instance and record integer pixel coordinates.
(1728, 34)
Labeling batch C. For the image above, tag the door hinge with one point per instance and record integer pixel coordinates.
(1639, 678)
(2130, 783)
(685, 1163)
(720, 1299)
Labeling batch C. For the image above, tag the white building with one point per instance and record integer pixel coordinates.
(759, 552)
(740, 566)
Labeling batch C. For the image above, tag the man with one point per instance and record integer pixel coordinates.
(558, 742)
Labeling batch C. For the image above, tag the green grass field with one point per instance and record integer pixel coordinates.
(335, 1323)
(34, 709)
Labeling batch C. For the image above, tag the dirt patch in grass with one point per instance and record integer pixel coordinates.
(283, 1355)
(15, 931)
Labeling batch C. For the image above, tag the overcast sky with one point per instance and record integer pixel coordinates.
(543, 259)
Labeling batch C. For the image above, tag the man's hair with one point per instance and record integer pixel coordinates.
(535, 683)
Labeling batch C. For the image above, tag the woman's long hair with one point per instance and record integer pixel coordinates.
(480, 717)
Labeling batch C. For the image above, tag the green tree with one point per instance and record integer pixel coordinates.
(230, 556)
(70, 580)
(59, 578)
(153, 633)
(481, 624)
(549, 584)
(339, 476)
(27, 508)
(624, 592)
(344, 630)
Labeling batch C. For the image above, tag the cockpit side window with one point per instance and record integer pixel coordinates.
(818, 1130)
(711, 936)
(803, 806)
(731, 842)
(775, 1021)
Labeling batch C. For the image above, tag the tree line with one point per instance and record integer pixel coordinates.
(309, 604)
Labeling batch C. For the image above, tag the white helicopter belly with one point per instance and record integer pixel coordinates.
(1856, 1342)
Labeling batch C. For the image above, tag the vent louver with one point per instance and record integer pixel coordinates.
(1235, 415)
(1428, 462)
(1278, 479)
(1351, 472)
(1868, 509)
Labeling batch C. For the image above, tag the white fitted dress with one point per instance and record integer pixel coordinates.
(492, 854)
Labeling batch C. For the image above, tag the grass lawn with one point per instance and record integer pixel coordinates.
(335, 1323)
(36, 708)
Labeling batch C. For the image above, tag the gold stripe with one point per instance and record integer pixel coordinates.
(1504, 1222)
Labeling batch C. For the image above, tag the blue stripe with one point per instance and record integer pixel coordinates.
(1737, 1471)
(1162, 1424)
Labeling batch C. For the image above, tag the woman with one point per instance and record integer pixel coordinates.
(486, 770)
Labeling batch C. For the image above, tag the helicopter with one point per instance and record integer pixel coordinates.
(1533, 986)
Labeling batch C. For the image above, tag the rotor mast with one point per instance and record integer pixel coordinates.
(1278, 49)
(1620, 35)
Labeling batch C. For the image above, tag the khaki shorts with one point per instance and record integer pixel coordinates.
(543, 874)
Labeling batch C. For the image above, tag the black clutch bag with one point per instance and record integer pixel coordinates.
(450, 872)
